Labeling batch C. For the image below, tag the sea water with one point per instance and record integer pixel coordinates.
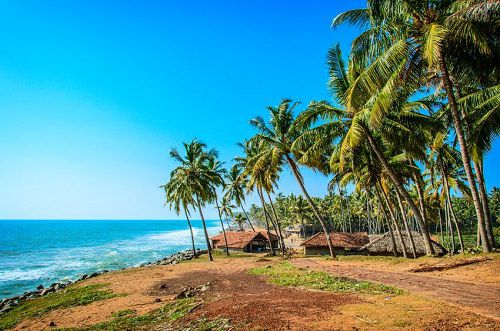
(34, 252)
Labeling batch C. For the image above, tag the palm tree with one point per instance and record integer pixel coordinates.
(240, 218)
(235, 189)
(194, 171)
(226, 210)
(177, 196)
(299, 210)
(278, 135)
(373, 112)
(216, 179)
(423, 38)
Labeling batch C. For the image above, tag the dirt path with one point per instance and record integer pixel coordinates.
(480, 298)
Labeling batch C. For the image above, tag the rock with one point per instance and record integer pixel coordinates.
(47, 291)
(158, 300)
(40, 287)
(85, 276)
(189, 292)
(52, 323)
(93, 275)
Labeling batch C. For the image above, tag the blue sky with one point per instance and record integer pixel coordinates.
(94, 94)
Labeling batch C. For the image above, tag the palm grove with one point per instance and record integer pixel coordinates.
(415, 109)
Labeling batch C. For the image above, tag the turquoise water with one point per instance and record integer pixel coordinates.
(34, 252)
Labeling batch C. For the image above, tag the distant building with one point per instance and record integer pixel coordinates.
(245, 241)
(343, 243)
(383, 245)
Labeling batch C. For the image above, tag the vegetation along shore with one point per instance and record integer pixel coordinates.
(407, 236)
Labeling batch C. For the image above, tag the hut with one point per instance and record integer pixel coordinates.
(383, 245)
(245, 241)
(343, 243)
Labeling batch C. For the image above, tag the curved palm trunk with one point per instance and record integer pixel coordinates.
(405, 221)
(450, 206)
(449, 227)
(382, 208)
(248, 218)
(417, 177)
(266, 216)
(221, 223)
(398, 183)
(478, 167)
(277, 223)
(394, 221)
(464, 152)
(298, 177)
(209, 247)
(191, 230)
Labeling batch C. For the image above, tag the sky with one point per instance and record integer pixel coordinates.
(94, 94)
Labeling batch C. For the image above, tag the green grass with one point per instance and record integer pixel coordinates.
(71, 297)
(127, 319)
(285, 274)
(203, 324)
(470, 241)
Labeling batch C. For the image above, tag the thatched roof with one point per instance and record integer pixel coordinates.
(239, 239)
(383, 244)
(339, 240)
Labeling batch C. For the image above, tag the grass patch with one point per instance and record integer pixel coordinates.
(285, 274)
(124, 312)
(71, 297)
(203, 324)
(127, 319)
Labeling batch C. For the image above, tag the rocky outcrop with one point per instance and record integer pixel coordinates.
(10, 303)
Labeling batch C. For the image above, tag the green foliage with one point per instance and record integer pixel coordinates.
(71, 297)
(285, 274)
(127, 320)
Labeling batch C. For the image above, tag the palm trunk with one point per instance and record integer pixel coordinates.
(393, 240)
(259, 191)
(464, 152)
(394, 221)
(298, 177)
(221, 223)
(278, 224)
(449, 227)
(248, 218)
(405, 221)
(190, 230)
(209, 247)
(450, 206)
(418, 184)
(478, 167)
(398, 183)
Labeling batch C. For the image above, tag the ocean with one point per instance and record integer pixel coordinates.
(34, 252)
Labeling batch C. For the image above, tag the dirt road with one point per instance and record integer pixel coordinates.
(479, 298)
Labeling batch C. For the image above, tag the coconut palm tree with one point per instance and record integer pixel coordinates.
(177, 196)
(277, 136)
(261, 175)
(424, 38)
(226, 210)
(217, 179)
(235, 189)
(194, 171)
(380, 118)
(240, 218)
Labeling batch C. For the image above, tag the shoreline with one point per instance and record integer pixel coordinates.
(9, 303)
